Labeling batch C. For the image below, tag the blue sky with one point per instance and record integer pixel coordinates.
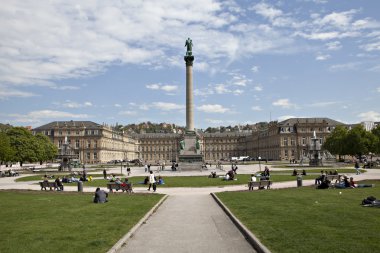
(122, 61)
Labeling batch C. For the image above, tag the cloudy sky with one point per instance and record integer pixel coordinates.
(122, 61)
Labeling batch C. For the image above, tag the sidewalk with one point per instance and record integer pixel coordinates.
(191, 223)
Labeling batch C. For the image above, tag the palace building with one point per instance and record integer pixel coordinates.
(96, 143)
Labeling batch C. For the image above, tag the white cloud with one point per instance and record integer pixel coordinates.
(169, 88)
(267, 10)
(221, 89)
(238, 92)
(205, 92)
(158, 86)
(117, 105)
(167, 106)
(322, 57)
(6, 93)
(128, 113)
(258, 88)
(284, 103)
(337, 19)
(323, 104)
(255, 69)
(216, 108)
(256, 108)
(345, 66)
(333, 45)
(65, 87)
(375, 46)
(285, 117)
(153, 86)
(36, 116)
(369, 116)
(71, 104)
(378, 89)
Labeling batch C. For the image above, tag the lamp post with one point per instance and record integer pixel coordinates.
(121, 167)
(259, 162)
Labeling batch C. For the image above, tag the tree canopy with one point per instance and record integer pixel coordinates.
(356, 141)
(17, 144)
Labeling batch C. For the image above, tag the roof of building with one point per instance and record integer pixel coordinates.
(70, 124)
(293, 121)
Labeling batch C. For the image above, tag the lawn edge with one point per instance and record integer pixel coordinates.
(249, 236)
(131, 232)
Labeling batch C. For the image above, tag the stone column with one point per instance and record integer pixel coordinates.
(189, 93)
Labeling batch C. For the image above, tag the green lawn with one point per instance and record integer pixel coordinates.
(309, 220)
(67, 222)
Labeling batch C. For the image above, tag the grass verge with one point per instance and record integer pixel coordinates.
(309, 220)
(67, 222)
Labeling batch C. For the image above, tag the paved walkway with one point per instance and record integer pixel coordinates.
(189, 220)
(192, 223)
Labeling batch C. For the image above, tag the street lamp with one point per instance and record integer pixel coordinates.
(259, 162)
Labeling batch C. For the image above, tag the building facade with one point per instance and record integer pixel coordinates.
(91, 142)
(95, 143)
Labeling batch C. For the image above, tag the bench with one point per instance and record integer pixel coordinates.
(259, 184)
(115, 186)
(333, 177)
(51, 185)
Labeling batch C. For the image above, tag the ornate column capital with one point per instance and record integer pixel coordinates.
(189, 60)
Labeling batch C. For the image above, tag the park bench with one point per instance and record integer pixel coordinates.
(115, 186)
(51, 185)
(259, 184)
(331, 178)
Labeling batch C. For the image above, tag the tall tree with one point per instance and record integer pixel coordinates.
(359, 141)
(336, 142)
(44, 148)
(6, 151)
(376, 133)
(22, 141)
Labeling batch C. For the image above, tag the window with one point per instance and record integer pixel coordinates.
(60, 132)
(88, 155)
(303, 141)
(292, 142)
(76, 143)
(95, 156)
(88, 143)
(95, 144)
(59, 143)
(285, 141)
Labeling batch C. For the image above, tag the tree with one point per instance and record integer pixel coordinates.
(359, 141)
(6, 151)
(335, 143)
(376, 133)
(23, 143)
(44, 148)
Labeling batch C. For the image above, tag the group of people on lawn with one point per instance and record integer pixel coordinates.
(342, 182)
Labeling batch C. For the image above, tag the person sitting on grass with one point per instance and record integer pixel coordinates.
(160, 180)
(344, 184)
(295, 173)
(59, 184)
(100, 196)
(213, 174)
(325, 184)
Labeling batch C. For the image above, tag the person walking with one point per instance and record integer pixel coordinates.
(357, 168)
(152, 181)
